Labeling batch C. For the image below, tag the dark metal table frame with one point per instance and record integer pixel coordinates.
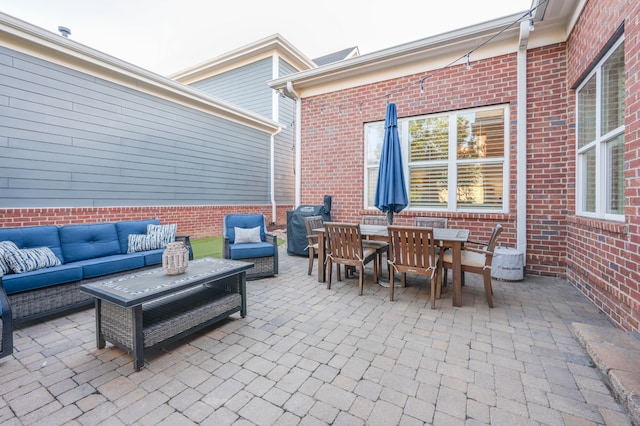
(169, 307)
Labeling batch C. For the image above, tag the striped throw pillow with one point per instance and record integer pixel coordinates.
(27, 260)
(166, 233)
(6, 247)
(143, 242)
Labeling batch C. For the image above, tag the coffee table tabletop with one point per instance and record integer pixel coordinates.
(139, 287)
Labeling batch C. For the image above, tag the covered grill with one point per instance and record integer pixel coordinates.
(296, 230)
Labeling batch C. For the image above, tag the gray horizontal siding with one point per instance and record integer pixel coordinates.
(245, 86)
(70, 139)
(285, 145)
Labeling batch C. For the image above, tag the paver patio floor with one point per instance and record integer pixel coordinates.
(305, 355)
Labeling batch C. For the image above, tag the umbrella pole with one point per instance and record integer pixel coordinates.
(390, 217)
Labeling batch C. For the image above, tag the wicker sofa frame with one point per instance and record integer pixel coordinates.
(6, 324)
(51, 301)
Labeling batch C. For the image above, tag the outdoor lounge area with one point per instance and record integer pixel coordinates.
(305, 354)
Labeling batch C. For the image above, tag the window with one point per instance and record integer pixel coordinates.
(600, 139)
(453, 162)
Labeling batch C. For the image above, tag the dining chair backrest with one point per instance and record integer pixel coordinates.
(432, 222)
(374, 220)
(345, 247)
(492, 243)
(344, 242)
(313, 222)
(412, 248)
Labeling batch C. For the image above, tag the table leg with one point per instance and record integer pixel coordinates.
(243, 293)
(100, 342)
(321, 256)
(138, 338)
(456, 249)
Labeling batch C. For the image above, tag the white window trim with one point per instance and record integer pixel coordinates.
(452, 162)
(600, 146)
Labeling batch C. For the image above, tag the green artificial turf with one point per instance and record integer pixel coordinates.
(210, 247)
(207, 247)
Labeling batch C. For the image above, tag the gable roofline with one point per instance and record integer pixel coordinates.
(341, 55)
(273, 44)
(29, 39)
(431, 53)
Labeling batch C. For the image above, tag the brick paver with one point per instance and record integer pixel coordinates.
(305, 355)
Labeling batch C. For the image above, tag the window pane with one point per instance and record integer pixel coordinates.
(480, 185)
(613, 91)
(374, 138)
(480, 134)
(428, 186)
(587, 113)
(588, 167)
(429, 139)
(372, 174)
(615, 184)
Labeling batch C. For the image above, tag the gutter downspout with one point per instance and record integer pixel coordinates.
(298, 166)
(272, 172)
(521, 130)
(275, 113)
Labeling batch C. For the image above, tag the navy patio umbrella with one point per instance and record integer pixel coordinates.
(391, 192)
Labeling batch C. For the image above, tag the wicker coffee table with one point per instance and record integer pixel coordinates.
(147, 309)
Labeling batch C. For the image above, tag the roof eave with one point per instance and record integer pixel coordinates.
(249, 52)
(461, 39)
(32, 40)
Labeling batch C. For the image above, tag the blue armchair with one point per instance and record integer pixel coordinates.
(246, 238)
(6, 324)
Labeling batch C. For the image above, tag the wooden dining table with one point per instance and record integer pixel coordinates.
(445, 237)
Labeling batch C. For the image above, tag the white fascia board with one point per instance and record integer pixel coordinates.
(34, 41)
(274, 44)
(426, 55)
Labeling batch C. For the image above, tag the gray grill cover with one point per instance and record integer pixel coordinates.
(296, 230)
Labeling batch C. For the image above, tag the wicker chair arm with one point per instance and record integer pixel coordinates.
(270, 238)
(187, 243)
(226, 251)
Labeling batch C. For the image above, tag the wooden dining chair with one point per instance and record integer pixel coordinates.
(311, 223)
(432, 222)
(413, 249)
(476, 257)
(381, 247)
(344, 247)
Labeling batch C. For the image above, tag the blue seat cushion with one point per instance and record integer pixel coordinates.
(153, 257)
(34, 236)
(246, 221)
(127, 227)
(97, 267)
(16, 283)
(251, 250)
(80, 242)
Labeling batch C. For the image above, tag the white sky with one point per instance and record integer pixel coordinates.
(165, 36)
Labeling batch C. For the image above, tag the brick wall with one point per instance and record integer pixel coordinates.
(599, 257)
(333, 144)
(602, 256)
(195, 221)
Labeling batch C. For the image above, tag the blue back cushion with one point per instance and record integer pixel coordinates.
(242, 221)
(34, 236)
(81, 242)
(132, 227)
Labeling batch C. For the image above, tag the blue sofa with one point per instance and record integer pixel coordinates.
(86, 252)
